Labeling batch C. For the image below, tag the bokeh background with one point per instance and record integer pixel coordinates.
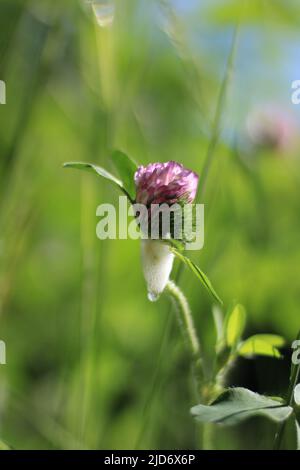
(91, 363)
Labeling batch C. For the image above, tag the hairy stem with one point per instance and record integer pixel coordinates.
(187, 325)
(185, 317)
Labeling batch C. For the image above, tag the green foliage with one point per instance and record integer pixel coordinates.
(124, 165)
(290, 401)
(126, 168)
(198, 273)
(230, 334)
(238, 404)
(261, 344)
(73, 309)
(90, 167)
(219, 324)
(235, 325)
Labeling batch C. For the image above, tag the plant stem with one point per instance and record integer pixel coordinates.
(295, 372)
(187, 325)
(185, 316)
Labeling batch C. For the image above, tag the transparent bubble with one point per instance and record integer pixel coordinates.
(152, 297)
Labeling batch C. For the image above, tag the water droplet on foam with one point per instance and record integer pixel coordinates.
(152, 297)
(104, 12)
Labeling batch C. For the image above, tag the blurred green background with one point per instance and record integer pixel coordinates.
(91, 363)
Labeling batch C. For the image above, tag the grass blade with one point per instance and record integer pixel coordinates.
(218, 114)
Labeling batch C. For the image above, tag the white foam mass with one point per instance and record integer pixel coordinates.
(157, 262)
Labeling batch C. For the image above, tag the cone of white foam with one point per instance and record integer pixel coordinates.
(157, 261)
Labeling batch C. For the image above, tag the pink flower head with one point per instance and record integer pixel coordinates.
(271, 128)
(168, 182)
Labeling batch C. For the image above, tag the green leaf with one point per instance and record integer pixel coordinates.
(297, 394)
(99, 171)
(279, 399)
(218, 323)
(200, 274)
(235, 324)
(273, 340)
(237, 404)
(263, 345)
(126, 168)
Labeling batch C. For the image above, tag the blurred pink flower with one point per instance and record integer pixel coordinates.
(166, 182)
(271, 128)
